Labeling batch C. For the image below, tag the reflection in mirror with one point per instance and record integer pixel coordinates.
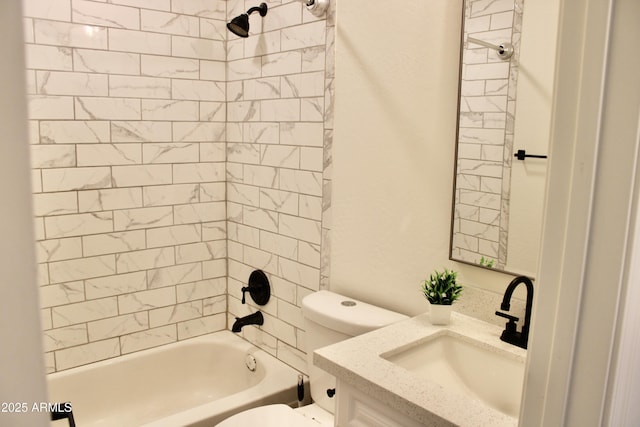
(488, 228)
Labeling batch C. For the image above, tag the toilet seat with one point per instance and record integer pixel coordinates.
(278, 415)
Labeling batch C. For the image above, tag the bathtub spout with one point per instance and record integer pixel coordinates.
(252, 319)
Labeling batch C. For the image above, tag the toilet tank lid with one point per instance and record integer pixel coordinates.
(346, 315)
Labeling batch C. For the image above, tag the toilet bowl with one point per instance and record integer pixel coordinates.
(328, 319)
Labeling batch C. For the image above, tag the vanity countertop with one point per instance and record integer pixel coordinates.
(358, 362)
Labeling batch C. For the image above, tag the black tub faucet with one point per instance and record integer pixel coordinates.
(252, 319)
(510, 334)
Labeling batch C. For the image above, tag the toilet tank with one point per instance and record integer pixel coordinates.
(330, 318)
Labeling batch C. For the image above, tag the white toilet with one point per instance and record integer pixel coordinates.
(328, 319)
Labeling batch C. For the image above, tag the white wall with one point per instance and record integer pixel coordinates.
(394, 125)
(532, 127)
(395, 120)
(21, 362)
(394, 144)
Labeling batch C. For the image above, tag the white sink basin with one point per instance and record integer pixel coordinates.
(463, 365)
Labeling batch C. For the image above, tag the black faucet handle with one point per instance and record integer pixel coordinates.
(507, 316)
(510, 327)
(244, 290)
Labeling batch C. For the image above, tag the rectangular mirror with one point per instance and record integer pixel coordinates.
(498, 185)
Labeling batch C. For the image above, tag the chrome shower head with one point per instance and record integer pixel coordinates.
(240, 24)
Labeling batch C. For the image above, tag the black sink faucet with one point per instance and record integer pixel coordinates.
(510, 334)
(252, 319)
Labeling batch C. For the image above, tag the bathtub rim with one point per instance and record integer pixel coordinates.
(280, 381)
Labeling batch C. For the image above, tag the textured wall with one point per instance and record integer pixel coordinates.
(279, 114)
(152, 136)
(128, 118)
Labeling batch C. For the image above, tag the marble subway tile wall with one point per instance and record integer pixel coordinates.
(279, 132)
(485, 140)
(128, 128)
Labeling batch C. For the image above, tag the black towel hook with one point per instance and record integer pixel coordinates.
(522, 154)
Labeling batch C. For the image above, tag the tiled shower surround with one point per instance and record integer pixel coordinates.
(485, 140)
(168, 163)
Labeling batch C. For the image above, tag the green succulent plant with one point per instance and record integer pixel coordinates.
(441, 287)
(487, 262)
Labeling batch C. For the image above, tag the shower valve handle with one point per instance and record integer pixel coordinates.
(258, 288)
(244, 290)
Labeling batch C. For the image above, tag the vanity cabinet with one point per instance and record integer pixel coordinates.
(384, 380)
(356, 409)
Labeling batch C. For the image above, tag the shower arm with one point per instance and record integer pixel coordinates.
(256, 9)
(505, 50)
(316, 7)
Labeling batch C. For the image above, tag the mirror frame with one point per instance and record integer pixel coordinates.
(507, 138)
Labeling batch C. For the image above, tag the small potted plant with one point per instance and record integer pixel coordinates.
(441, 290)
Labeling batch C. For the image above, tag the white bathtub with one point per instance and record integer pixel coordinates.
(196, 382)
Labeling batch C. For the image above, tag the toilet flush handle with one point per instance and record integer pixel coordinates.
(331, 392)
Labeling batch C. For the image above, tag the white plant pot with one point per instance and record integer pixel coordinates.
(440, 314)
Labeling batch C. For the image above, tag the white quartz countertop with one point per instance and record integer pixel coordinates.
(357, 361)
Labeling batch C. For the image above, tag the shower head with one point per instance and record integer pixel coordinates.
(240, 24)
